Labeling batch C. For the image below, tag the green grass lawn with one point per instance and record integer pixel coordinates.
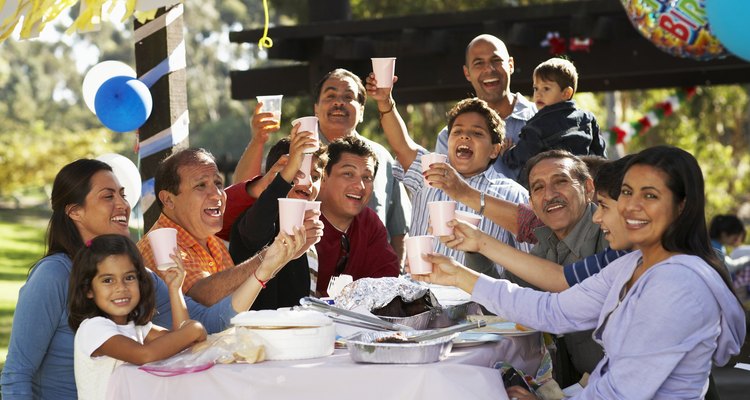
(21, 244)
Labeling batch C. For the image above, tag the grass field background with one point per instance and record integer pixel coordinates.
(21, 244)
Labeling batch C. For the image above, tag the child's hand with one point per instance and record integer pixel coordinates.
(175, 276)
(300, 142)
(442, 176)
(313, 231)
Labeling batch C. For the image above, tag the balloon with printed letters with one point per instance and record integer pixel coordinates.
(678, 27)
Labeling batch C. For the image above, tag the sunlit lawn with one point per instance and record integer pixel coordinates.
(21, 243)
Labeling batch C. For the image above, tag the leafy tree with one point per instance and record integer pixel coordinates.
(713, 127)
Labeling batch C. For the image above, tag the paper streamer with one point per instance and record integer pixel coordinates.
(166, 138)
(148, 5)
(36, 14)
(622, 133)
(148, 195)
(174, 62)
(162, 21)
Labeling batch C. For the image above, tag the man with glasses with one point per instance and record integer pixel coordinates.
(355, 241)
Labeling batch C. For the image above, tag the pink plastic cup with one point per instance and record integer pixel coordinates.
(309, 124)
(313, 205)
(441, 212)
(471, 218)
(432, 158)
(306, 168)
(163, 241)
(291, 214)
(416, 246)
(384, 69)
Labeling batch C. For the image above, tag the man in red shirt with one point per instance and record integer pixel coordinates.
(355, 241)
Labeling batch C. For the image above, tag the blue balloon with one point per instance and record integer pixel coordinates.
(123, 103)
(728, 21)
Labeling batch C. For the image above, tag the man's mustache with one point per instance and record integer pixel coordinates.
(554, 202)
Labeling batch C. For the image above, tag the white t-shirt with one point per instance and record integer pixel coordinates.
(92, 373)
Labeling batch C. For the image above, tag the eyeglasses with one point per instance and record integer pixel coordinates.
(344, 258)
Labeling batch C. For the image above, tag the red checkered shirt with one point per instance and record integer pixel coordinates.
(199, 262)
(527, 222)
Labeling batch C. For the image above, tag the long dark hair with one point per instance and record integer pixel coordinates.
(72, 185)
(85, 267)
(687, 234)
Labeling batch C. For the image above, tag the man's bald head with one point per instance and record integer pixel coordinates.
(487, 38)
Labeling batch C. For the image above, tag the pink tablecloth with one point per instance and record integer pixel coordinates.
(465, 374)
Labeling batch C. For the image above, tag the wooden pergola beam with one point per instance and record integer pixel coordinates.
(430, 50)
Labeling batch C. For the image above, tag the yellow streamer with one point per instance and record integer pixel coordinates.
(37, 13)
(265, 41)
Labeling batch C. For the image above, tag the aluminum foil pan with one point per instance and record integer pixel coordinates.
(419, 322)
(363, 349)
(373, 293)
(449, 315)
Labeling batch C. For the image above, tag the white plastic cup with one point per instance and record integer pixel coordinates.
(384, 69)
(306, 169)
(309, 124)
(416, 246)
(163, 241)
(271, 104)
(471, 218)
(441, 212)
(432, 158)
(291, 214)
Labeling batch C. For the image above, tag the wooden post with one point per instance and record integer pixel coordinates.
(156, 41)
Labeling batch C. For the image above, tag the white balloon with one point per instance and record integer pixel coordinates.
(127, 173)
(100, 73)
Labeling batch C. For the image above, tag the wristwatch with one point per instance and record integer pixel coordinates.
(481, 204)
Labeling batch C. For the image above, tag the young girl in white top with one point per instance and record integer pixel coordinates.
(111, 301)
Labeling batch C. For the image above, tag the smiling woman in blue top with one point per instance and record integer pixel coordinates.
(663, 313)
(88, 201)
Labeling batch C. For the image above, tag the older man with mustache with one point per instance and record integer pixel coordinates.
(561, 193)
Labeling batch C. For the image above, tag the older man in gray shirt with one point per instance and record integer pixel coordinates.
(561, 192)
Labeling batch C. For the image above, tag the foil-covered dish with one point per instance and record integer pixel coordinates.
(395, 300)
(404, 302)
(378, 348)
(377, 293)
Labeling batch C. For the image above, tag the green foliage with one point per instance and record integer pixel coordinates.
(32, 155)
(713, 127)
